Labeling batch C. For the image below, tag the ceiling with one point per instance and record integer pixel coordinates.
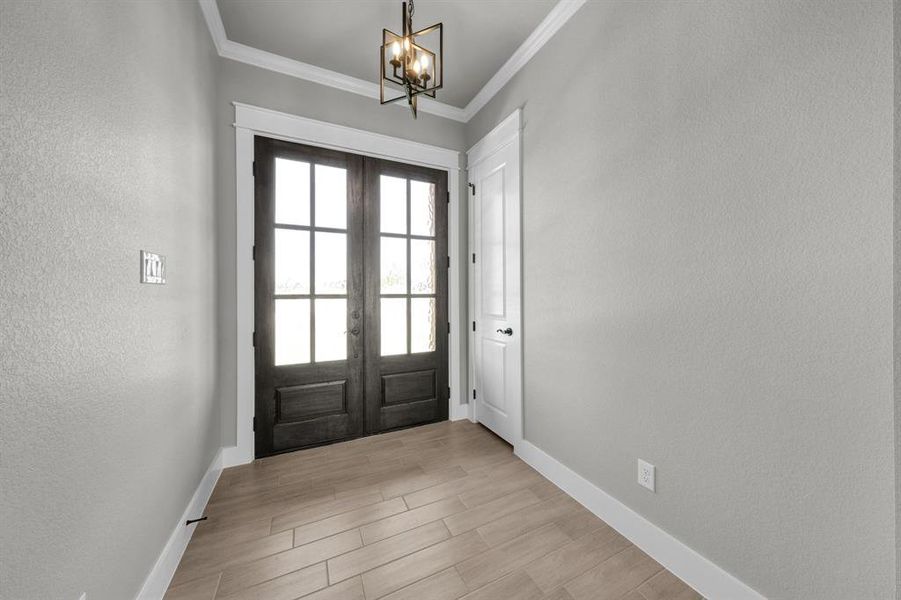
(344, 35)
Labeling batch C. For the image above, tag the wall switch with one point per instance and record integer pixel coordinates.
(647, 475)
(153, 268)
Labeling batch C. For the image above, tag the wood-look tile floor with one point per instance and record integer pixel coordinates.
(438, 512)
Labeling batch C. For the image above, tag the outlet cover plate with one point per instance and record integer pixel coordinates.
(647, 476)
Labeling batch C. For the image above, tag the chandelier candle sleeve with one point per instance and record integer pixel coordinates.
(411, 63)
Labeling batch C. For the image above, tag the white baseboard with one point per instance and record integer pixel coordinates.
(706, 578)
(157, 581)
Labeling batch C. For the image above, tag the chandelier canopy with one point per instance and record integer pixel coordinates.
(412, 63)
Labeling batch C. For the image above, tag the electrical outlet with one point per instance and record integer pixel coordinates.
(647, 475)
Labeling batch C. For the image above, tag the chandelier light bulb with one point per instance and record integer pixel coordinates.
(424, 62)
(416, 67)
(395, 49)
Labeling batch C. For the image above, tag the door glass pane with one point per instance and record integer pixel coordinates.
(394, 265)
(292, 331)
(422, 267)
(394, 326)
(422, 324)
(331, 197)
(393, 204)
(331, 329)
(422, 208)
(292, 261)
(292, 192)
(331, 263)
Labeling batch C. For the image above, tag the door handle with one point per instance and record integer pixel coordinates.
(507, 331)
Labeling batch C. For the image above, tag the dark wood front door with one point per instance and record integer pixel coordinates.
(350, 296)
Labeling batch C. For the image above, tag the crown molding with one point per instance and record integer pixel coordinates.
(559, 15)
(226, 48)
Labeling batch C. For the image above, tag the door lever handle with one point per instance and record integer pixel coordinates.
(507, 331)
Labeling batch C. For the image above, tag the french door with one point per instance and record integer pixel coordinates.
(350, 295)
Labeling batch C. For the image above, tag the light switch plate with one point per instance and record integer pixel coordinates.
(153, 268)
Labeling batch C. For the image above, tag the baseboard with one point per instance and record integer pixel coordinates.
(705, 577)
(157, 581)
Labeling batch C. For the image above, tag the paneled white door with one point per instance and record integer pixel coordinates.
(496, 304)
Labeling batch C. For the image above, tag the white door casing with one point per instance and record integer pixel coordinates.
(253, 120)
(496, 276)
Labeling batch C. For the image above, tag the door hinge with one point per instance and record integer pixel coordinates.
(473, 258)
(254, 252)
(448, 262)
(254, 168)
(473, 325)
(254, 423)
(448, 197)
(472, 187)
(473, 394)
(448, 391)
(254, 339)
(448, 328)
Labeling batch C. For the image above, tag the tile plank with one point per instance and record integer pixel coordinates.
(410, 519)
(515, 586)
(322, 510)
(192, 567)
(204, 588)
(445, 585)
(380, 553)
(532, 517)
(484, 568)
(419, 565)
(250, 574)
(348, 520)
(486, 513)
(561, 565)
(614, 577)
(666, 586)
(287, 587)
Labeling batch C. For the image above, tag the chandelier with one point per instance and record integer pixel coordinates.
(408, 66)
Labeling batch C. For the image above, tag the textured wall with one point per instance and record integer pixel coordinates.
(897, 271)
(708, 275)
(108, 407)
(251, 85)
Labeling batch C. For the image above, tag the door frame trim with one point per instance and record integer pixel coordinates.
(253, 120)
(508, 131)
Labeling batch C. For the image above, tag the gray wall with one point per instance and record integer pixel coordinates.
(897, 274)
(708, 275)
(251, 85)
(107, 387)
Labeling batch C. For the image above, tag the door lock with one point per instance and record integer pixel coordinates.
(507, 331)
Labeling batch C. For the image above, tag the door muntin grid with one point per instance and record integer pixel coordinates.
(408, 268)
(311, 262)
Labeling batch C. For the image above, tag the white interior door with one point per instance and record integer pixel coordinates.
(496, 350)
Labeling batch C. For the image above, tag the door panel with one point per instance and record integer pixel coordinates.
(308, 296)
(406, 295)
(350, 296)
(497, 337)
